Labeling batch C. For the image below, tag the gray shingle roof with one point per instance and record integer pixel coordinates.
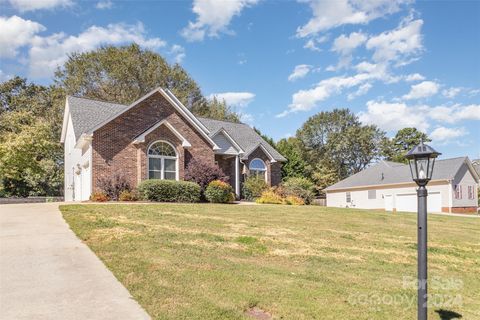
(243, 135)
(386, 172)
(87, 114)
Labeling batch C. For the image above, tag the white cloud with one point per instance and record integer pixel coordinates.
(104, 4)
(179, 53)
(414, 77)
(46, 53)
(313, 43)
(393, 116)
(346, 44)
(443, 134)
(16, 33)
(234, 99)
(422, 90)
(331, 14)
(451, 92)
(213, 18)
(299, 72)
(362, 90)
(455, 113)
(400, 44)
(31, 5)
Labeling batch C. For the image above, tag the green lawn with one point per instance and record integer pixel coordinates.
(201, 261)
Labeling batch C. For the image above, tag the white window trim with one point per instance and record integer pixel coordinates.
(176, 158)
(264, 170)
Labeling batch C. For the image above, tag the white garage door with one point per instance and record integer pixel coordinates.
(434, 202)
(406, 202)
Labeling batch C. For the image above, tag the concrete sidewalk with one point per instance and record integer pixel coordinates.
(46, 272)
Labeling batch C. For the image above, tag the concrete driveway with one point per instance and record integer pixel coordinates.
(46, 272)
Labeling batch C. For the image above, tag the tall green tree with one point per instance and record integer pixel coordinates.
(292, 150)
(337, 145)
(396, 148)
(31, 155)
(125, 74)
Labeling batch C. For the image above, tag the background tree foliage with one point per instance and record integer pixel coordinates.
(396, 148)
(31, 155)
(337, 145)
(125, 74)
(295, 166)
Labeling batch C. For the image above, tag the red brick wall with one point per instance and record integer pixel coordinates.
(114, 152)
(228, 168)
(460, 209)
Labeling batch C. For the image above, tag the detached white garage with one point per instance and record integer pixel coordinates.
(388, 186)
(408, 202)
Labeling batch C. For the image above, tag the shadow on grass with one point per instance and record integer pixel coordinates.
(448, 315)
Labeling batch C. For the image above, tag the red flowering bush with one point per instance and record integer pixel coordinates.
(203, 172)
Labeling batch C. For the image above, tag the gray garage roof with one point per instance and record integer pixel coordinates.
(476, 165)
(87, 114)
(243, 135)
(386, 172)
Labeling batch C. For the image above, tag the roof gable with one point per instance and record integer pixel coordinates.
(90, 115)
(243, 135)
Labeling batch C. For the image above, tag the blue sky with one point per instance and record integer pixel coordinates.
(394, 63)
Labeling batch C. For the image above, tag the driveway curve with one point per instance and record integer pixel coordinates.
(46, 272)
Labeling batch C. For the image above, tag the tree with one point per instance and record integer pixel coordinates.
(337, 145)
(292, 150)
(125, 74)
(215, 109)
(30, 151)
(396, 148)
(265, 137)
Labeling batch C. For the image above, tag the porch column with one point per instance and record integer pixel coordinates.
(237, 175)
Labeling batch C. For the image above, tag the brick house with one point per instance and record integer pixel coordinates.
(155, 138)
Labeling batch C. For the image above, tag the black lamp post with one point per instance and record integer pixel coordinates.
(422, 159)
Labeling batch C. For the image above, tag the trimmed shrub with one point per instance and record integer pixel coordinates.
(126, 195)
(203, 172)
(219, 192)
(298, 187)
(253, 187)
(294, 200)
(113, 186)
(169, 191)
(269, 196)
(99, 197)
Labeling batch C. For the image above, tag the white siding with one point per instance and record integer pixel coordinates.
(388, 197)
(77, 186)
(464, 179)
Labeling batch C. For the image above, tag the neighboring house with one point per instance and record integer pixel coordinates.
(389, 186)
(155, 137)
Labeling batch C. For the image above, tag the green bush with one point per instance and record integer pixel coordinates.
(169, 191)
(298, 187)
(253, 187)
(219, 192)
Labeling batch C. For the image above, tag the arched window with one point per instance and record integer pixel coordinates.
(257, 167)
(162, 161)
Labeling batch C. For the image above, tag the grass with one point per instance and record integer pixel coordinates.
(201, 261)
